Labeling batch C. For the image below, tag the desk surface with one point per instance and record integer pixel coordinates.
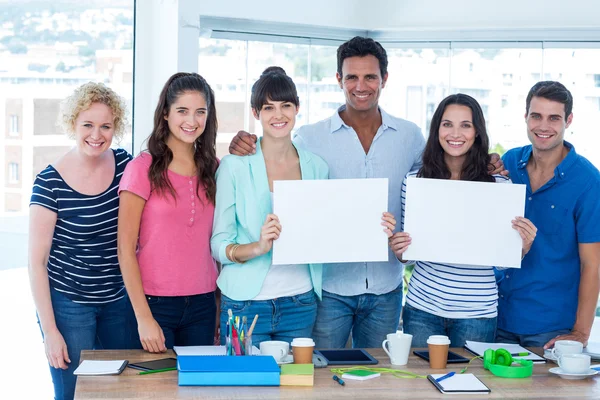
(163, 385)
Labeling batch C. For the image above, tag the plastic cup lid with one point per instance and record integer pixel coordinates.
(303, 342)
(438, 339)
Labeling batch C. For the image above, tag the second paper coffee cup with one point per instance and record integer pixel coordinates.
(303, 350)
(438, 351)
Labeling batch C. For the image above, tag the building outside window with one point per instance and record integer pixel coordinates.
(13, 173)
(14, 125)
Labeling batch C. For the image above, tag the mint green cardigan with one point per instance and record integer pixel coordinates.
(242, 203)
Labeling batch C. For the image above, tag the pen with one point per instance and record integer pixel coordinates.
(157, 370)
(448, 375)
(338, 380)
(521, 354)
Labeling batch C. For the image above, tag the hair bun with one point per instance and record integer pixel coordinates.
(273, 70)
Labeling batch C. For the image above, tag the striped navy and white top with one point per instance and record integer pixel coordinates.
(452, 290)
(83, 262)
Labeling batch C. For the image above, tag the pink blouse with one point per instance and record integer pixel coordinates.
(174, 240)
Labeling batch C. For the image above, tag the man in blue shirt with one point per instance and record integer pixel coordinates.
(553, 295)
(360, 140)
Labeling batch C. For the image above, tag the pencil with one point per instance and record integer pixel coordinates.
(252, 326)
(157, 370)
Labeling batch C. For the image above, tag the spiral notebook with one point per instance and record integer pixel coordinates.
(459, 383)
(100, 367)
(478, 348)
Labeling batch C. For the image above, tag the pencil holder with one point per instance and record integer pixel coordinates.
(248, 345)
(229, 347)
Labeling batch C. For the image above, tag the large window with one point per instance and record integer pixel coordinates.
(499, 75)
(47, 49)
(418, 79)
(578, 69)
(232, 66)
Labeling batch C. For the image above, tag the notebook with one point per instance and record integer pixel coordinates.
(478, 348)
(593, 350)
(360, 375)
(98, 367)
(459, 383)
(297, 375)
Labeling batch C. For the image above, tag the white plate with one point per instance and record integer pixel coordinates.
(558, 371)
(286, 360)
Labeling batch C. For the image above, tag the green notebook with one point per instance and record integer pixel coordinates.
(360, 375)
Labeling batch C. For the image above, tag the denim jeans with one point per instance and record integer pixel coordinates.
(422, 324)
(370, 317)
(284, 318)
(536, 340)
(185, 320)
(86, 327)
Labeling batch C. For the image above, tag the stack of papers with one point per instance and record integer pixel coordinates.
(206, 350)
(97, 367)
(459, 383)
(478, 348)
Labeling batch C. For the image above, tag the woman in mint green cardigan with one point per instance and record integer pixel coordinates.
(284, 296)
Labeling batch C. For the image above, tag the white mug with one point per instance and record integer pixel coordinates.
(575, 363)
(563, 347)
(399, 347)
(275, 348)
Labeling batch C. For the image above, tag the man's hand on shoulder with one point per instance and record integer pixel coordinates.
(575, 335)
(498, 165)
(243, 144)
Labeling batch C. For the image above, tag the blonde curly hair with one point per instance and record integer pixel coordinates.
(83, 97)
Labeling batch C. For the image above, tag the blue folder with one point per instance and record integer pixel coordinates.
(227, 371)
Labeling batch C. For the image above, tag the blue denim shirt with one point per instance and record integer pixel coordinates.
(542, 295)
(396, 149)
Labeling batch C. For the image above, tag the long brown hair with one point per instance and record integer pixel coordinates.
(205, 155)
(477, 164)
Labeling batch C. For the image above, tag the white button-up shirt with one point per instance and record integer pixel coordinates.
(396, 150)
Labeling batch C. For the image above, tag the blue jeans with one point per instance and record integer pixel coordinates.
(285, 318)
(185, 320)
(536, 340)
(422, 324)
(370, 317)
(86, 327)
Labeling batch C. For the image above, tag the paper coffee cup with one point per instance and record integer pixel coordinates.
(303, 350)
(438, 351)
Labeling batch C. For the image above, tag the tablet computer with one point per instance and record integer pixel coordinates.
(453, 358)
(347, 357)
(163, 363)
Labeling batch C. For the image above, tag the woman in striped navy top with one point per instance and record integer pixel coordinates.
(458, 301)
(74, 272)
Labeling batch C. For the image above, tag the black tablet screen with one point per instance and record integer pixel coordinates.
(347, 357)
(155, 364)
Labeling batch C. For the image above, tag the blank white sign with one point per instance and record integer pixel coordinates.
(330, 221)
(462, 222)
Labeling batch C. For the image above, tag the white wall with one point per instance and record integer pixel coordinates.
(478, 14)
(333, 13)
(415, 14)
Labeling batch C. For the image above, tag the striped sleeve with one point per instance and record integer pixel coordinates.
(44, 190)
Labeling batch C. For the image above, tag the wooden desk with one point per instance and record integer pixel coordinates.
(163, 385)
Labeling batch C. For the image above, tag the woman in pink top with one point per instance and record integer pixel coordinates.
(165, 220)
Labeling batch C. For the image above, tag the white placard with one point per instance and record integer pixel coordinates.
(327, 221)
(462, 222)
